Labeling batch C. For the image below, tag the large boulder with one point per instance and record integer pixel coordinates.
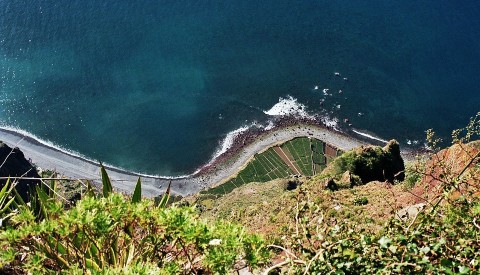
(14, 164)
(373, 163)
(369, 163)
(394, 166)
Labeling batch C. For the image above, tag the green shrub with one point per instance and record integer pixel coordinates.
(111, 233)
(413, 173)
(360, 201)
(442, 240)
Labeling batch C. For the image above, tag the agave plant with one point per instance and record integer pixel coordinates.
(6, 200)
(108, 231)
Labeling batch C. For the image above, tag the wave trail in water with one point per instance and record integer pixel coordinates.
(369, 136)
(228, 142)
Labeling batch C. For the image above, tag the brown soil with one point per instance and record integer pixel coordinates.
(330, 151)
(285, 159)
(455, 164)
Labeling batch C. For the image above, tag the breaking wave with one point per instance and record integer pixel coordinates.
(288, 106)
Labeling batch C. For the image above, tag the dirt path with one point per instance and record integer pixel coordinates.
(285, 159)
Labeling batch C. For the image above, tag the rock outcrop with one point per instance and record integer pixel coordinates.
(14, 164)
(410, 211)
(373, 163)
(368, 163)
(457, 168)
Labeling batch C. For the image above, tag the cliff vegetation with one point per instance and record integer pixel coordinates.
(366, 212)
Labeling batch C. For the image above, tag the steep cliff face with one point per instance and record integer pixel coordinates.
(456, 168)
(14, 164)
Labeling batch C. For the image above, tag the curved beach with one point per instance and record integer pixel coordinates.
(226, 165)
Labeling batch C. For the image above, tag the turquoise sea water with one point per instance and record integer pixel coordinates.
(154, 86)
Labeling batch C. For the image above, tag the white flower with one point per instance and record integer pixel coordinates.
(215, 242)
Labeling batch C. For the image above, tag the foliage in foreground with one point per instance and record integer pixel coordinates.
(111, 233)
(439, 241)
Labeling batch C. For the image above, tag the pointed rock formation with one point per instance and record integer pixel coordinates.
(14, 164)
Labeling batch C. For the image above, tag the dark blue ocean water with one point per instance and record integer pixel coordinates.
(154, 86)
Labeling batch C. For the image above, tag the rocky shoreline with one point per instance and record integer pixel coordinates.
(253, 133)
(245, 145)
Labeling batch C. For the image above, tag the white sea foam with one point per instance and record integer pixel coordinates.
(330, 122)
(414, 142)
(285, 107)
(369, 136)
(269, 126)
(288, 106)
(226, 144)
(45, 143)
(54, 146)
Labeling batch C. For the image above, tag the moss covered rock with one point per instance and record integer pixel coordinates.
(369, 163)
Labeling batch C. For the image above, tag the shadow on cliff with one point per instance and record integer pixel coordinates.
(14, 164)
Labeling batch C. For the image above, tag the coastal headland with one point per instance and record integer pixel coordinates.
(244, 146)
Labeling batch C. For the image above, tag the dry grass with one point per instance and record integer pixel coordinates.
(269, 209)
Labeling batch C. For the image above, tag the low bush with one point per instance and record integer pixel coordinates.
(110, 233)
(360, 201)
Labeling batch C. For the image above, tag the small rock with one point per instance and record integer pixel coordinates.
(410, 211)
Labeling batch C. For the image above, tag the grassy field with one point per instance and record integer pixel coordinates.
(306, 154)
(318, 157)
(300, 151)
(264, 167)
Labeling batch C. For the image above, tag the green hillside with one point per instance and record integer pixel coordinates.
(365, 213)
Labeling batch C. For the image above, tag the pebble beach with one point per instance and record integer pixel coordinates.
(244, 147)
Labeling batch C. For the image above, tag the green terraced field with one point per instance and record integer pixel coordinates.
(264, 167)
(305, 153)
(317, 146)
(318, 157)
(301, 152)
